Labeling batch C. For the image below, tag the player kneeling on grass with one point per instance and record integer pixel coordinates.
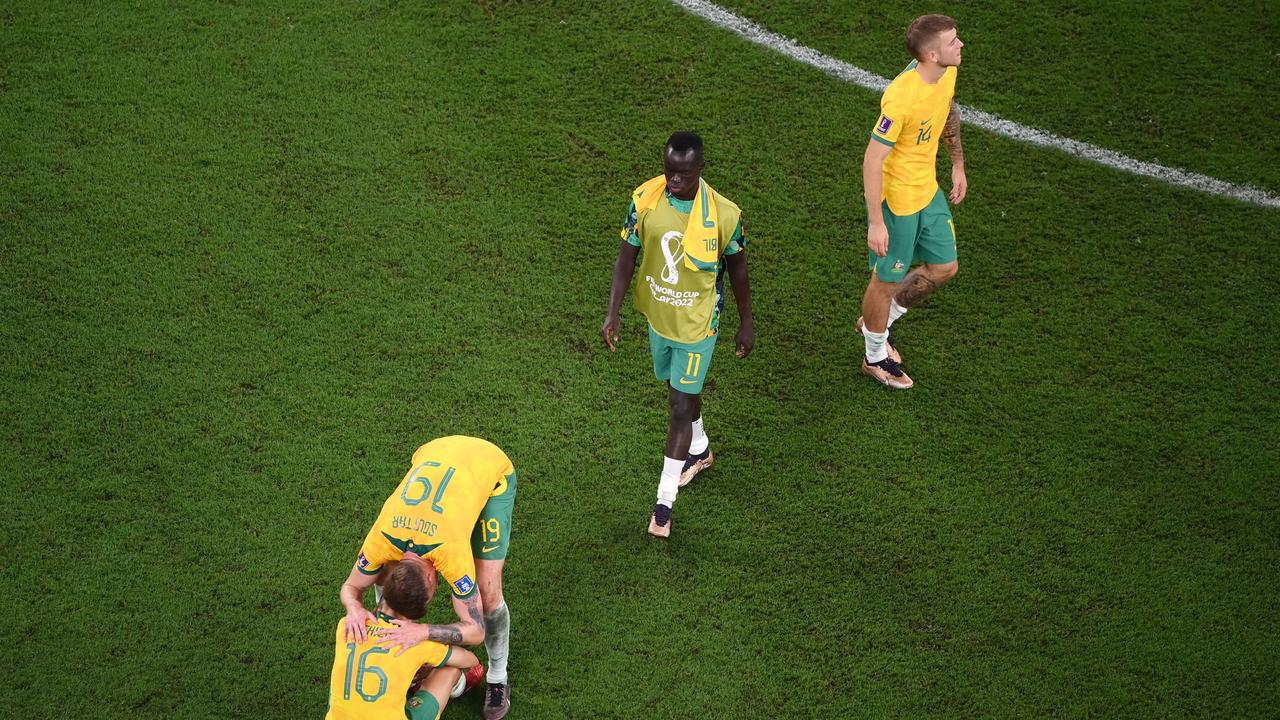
(369, 682)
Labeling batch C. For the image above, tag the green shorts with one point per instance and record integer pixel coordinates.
(492, 534)
(683, 365)
(422, 706)
(928, 236)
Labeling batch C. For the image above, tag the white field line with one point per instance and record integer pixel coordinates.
(857, 76)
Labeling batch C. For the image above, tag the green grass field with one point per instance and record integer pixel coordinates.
(254, 254)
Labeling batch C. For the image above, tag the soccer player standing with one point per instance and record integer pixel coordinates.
(907, 215)
(690, 235)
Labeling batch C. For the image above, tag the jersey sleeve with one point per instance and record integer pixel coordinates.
(738, 241)
(892, 118)
(433, 653)
(456, 566)
(629, 232)
(375, 552)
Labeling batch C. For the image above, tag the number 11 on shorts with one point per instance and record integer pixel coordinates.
(695, 364)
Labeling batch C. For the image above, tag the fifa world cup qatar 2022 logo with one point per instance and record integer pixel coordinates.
(665, 292)
(673, 252)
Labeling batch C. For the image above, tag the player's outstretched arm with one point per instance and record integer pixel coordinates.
(623, 269)
(741, 284)
(352, 595)
(951, 137)
(468, 631)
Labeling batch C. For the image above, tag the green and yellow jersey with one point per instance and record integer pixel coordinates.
(912, 116)
(681, 304)
(369, 681)
(434, 509)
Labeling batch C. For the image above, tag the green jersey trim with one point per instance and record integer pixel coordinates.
(877, 138)
(683, 206)
(411, 546)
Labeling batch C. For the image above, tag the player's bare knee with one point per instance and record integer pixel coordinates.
(681, 406)
(944, 272)
(884, 288)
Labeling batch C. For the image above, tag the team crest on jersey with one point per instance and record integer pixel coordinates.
(362, 562)
(464, 584)
(883, 126)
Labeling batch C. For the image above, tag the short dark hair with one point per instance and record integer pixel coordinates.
(924, 29)
(684, 141)
(406, 592)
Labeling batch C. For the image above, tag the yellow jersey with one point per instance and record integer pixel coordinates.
(434, 509)
(680, 304)
(369, 682)
(912, 116)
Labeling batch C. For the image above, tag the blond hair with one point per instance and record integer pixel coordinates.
(922, 31)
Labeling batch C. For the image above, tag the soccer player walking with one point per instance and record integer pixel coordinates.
(686, 236)
(907, 215)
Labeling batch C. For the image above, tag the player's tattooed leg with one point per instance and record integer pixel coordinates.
(915, 288)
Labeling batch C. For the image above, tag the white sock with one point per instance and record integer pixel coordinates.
(497, 639)
(875, 345)
(895, 311)
(699, 443)
(459, 687)
(669, 483)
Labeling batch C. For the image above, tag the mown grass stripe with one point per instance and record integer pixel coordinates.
(852, 74)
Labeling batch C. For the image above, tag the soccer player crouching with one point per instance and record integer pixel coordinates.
(690, 235)
(453, 509)
(907, 215)
(371, 682)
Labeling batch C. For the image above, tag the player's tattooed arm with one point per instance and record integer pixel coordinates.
(470, 631)
(447, 634)
(951, 135)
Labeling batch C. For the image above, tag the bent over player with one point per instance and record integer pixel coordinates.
(369, 683)
(686, 235)
(453, 508)
(907, 216)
